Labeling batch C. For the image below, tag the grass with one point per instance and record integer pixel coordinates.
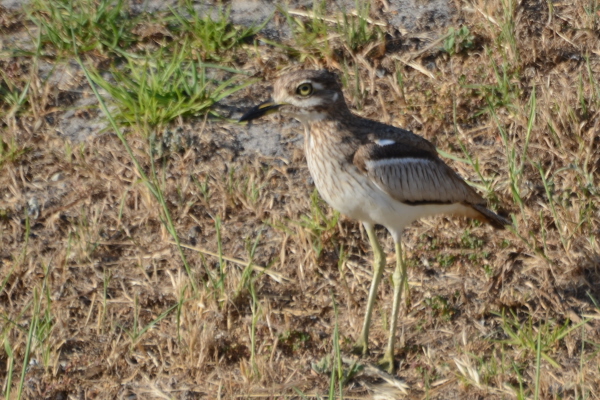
(163, 248)
(321, 37)
(211, 38)
(102, 27)
(153, 91)
(458, 40)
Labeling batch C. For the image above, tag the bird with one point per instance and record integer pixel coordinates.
(372, 172)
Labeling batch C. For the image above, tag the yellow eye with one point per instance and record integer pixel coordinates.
(305, 89)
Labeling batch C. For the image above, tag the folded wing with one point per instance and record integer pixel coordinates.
(413, 176)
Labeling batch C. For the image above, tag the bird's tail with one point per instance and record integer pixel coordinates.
(491, 217)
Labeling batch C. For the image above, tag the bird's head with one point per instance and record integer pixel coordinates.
(308, 95)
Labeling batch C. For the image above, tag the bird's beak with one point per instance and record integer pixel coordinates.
(266, 108)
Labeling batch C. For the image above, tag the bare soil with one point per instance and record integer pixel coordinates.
(120, 318)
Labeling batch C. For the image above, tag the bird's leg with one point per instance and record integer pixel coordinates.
(362, 344)
(399, 279)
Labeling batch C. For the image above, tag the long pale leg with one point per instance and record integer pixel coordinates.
(362, 344)
(399, 279)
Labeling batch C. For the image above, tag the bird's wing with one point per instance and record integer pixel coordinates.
(412, 175)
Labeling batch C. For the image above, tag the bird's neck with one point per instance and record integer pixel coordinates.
(330, 133)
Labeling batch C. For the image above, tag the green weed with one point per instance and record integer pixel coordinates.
(445, 260)
(310, 34)
(10, 151)
(137, 330)
(458, 40)
(318, 223)
(539, 339)
(151, 92)
(98, 25)
(209, 39)
(353, 33)
(356, 31)
(440, 307)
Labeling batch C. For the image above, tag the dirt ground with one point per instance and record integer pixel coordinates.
(268, 294)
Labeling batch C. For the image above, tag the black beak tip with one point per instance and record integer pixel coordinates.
(253, 113)
(260, 110)
(247, 116)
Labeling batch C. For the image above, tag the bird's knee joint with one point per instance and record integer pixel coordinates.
(397, 277)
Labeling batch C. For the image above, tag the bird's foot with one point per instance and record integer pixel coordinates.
(387, 362)
(360, 348)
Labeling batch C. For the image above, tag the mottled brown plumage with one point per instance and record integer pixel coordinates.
(373, 172)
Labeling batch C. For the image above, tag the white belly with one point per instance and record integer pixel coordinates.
(350, 192)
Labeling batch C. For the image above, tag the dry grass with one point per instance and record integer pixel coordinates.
(94, 297)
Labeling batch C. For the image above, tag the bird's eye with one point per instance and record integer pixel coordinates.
(305, 89)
